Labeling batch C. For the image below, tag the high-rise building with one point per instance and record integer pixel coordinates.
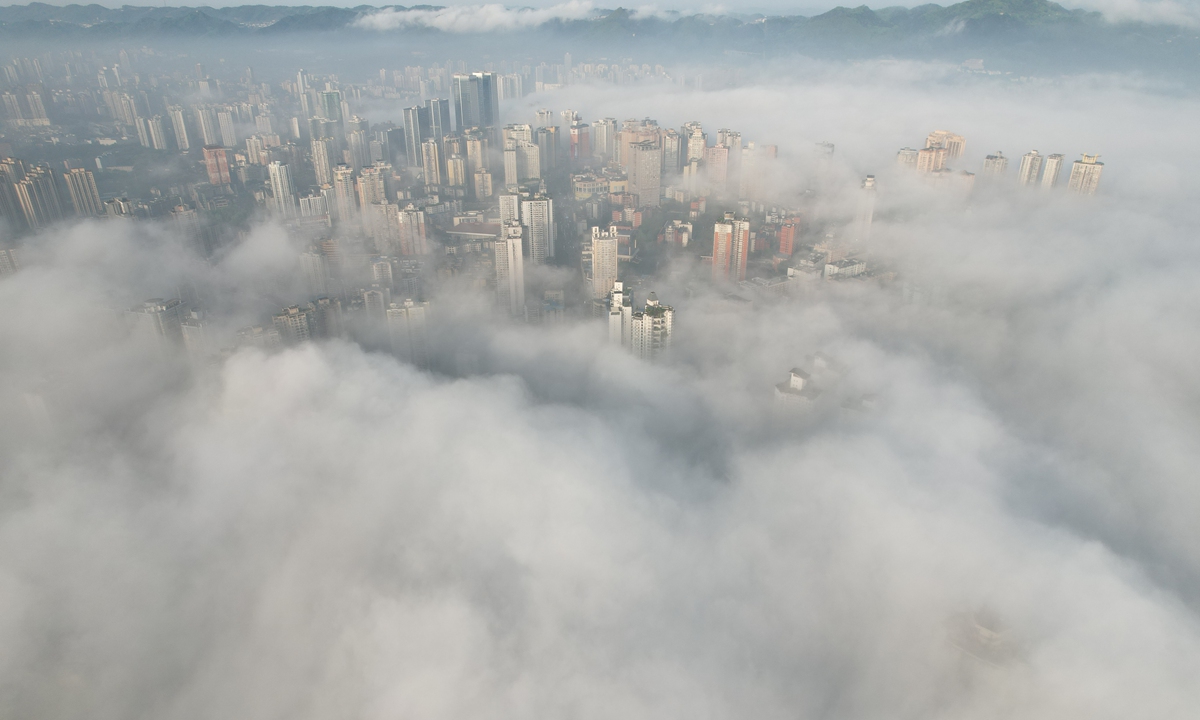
(294, 324)
(1085, 175)
(179, 128)
(329, 105)
(483, 184)
(346, 193)
(416, 131)
(217, 162)
(510, 269)
(206, 121)
(283, 190)
(456, 171)
(645, 172)
(548, 149)
(158, 133)
(932, 159)
(537, 215)
(907, 157)
(372, 184)
(227, 128)
(953, 143)
(358, 149)
(37, 196)
(674, 152)
(407, 327)
(1051, 171)
(731, 249)
(604, 137)
(439, 118)
(158, 321)
(477, 102)
(601, 256)
(323, 160)
(315, 267)
(510, 208)
(651, 331)
(866, 210)
(787, 237)
(620, 315)
(431, 162)
(85, 198)
(1031, 166)
(413, 240)
(580, 150)
(995, 165)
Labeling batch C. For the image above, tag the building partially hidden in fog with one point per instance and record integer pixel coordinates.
(158, 320)
(1031, 166)
(647, 333)
(406, 324)
(1051, 170)
(797, 388)
(1085, 175)
(995, 165)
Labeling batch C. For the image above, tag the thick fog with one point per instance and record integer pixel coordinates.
(544, 526)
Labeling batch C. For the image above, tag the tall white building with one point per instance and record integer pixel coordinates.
(1052, 171)
(995, 165)
(510, 269)
(282, 189)
(601, 255)
(651, 332)
(866, 210)
(537, 215)
(620, 315)
(1085, 175)
(179, 127)
(1031, 167)
(510, 208)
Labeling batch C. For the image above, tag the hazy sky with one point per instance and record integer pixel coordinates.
(1159, 11)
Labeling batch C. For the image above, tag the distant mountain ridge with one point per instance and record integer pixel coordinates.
(204, 20)
(1020, 35)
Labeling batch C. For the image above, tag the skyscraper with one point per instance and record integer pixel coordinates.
(37, 196)
(406, 324)
(510, 269)
(954, 144)
(866, 210)
(283, 191)
(179, 127)
(416, 131)
(217, 162)
(1085, 175)
(322, 160)
(731, 249)
(158, 321)
(431, 162)
(1052, 170)
(346, 193)
(995, 165)
(85, 198)
(651, 331)
(439, 118)
(413, 240)
(604, 136)
(537, 215)
(645, 172)
(1031, 166)
(477, 102)
(602, 254)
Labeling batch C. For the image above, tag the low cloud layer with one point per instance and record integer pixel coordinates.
(546, 526)
(493, 17)
(1154, 12)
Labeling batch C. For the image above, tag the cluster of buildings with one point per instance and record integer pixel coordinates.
(1035, 170)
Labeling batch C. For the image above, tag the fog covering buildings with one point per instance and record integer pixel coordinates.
(274, 443)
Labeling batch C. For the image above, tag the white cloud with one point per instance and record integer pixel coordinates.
(1155, 12)
(476, 18)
